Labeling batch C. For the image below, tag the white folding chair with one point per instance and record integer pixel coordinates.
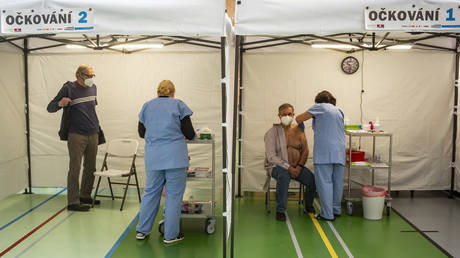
(120, 149)
(268, 187)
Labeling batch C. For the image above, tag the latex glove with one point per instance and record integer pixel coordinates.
(301, 126)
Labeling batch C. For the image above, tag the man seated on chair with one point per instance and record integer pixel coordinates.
(286, 151)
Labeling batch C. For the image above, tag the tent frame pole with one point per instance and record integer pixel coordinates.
(235, 108)
(224, 142)
(26, 81)
(330, 38)
(240, 116)
(454, 131)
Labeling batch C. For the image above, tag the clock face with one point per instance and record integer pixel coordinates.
(350, 65)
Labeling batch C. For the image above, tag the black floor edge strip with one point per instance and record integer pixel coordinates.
(423, 234)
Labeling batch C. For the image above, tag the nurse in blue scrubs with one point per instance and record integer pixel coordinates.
(164, 122)
(328, 153)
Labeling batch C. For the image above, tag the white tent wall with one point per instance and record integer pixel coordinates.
(124, 83)
(457, 161)
(13, 157)
(410, 91)
(230, 76)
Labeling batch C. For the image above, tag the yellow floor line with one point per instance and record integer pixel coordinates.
(323, 236)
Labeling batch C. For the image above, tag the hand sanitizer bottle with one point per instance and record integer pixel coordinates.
(377, 124)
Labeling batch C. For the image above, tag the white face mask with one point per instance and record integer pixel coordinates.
(89, 82)
(286, 120)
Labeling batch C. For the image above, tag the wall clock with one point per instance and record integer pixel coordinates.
(350, 65)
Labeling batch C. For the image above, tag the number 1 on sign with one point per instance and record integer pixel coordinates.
(83, 16)
(450, 12)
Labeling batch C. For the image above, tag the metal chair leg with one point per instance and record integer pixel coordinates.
(126, 190)
(95, 192)
(137, 185)
(300, 193)
(110, 186)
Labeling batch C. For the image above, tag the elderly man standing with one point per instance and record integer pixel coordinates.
(286, 151)
(80, 127)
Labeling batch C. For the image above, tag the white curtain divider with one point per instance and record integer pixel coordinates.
(124, 83)
(13, 159)
(457, 160)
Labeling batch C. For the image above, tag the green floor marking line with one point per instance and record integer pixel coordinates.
(294, 239)
(337, 235)
(44, 235)
(323, 236)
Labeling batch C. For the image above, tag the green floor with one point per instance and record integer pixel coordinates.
(257, 234)
(69, 234)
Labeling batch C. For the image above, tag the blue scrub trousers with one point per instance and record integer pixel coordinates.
(329, 185)
(174, 182)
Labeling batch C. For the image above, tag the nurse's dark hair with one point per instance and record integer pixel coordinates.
(325, 97)
(284, 106)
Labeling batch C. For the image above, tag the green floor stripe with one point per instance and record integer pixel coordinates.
(309, 240)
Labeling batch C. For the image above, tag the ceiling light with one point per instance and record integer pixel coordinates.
(400, 47)
(340, 46)
(74, 46)
(389, 47)
(139, 46)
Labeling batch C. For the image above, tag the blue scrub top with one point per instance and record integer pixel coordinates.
(165, 146)
(330, 141)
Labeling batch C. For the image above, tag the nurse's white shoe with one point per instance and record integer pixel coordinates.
(177, 239)
(140, 236)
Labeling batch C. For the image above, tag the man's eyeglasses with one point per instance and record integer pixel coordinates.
(88, 75)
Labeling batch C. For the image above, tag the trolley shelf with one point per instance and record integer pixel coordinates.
(367, 133)
(375, 165)
(208, 208)
(372, 166)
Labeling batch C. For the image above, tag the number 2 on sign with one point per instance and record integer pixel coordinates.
(83, 16)
(450, 12)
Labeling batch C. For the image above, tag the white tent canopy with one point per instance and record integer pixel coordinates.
(140, 17)
(291, 17)
(280, 66)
